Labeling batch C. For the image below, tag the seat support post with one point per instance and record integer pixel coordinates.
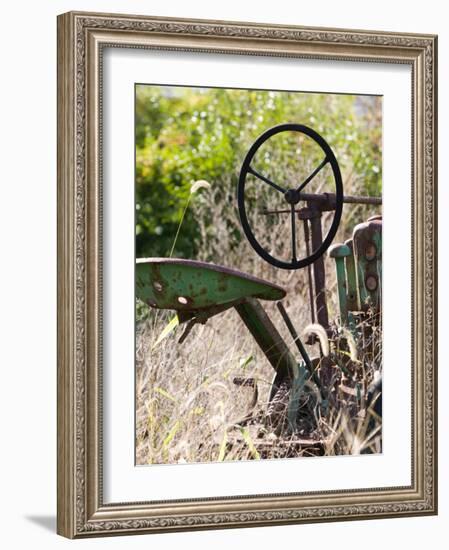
(268, 337)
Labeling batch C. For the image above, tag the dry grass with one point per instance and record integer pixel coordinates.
(189, 409)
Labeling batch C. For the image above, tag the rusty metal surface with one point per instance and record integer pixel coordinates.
(326, 202)
(360, 283)
(290, 446)
(319, 275)
(352, 297)
(268, 338)
(309, 271)
(340, 252)
(188, 285)
(367, 241)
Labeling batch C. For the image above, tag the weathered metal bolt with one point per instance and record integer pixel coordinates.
(158, 286)
(371, 283)
(370, 251)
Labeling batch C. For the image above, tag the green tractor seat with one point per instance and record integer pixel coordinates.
(200, 290)
(188, 285)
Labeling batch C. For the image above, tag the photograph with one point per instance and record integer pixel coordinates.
(232, 352)
(258, 277)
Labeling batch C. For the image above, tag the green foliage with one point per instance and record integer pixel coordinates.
(187, 134)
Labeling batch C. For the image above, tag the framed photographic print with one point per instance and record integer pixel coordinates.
(246, 274)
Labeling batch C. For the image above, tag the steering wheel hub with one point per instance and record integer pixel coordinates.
(292, 196)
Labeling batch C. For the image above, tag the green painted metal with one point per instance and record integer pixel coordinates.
(198, 290)
(358, 265)
(296, 392)
(187, 285)
(267, 336)
(352, 297)
(339, 252)
(367, 239)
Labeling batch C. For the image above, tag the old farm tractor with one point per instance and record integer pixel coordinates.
(305, 386)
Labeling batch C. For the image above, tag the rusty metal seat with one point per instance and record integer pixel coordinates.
(188, 285)
(200, 290)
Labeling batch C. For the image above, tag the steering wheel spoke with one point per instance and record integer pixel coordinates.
(265, 179)
(293, 223)
(313, 174)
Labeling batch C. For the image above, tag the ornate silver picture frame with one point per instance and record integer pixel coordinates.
(83, 510)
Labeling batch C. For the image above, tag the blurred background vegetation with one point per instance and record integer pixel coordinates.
(189, 134)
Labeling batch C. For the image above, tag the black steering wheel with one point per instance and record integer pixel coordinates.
(292, 196)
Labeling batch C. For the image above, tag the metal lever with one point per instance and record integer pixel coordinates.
(299, 344)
